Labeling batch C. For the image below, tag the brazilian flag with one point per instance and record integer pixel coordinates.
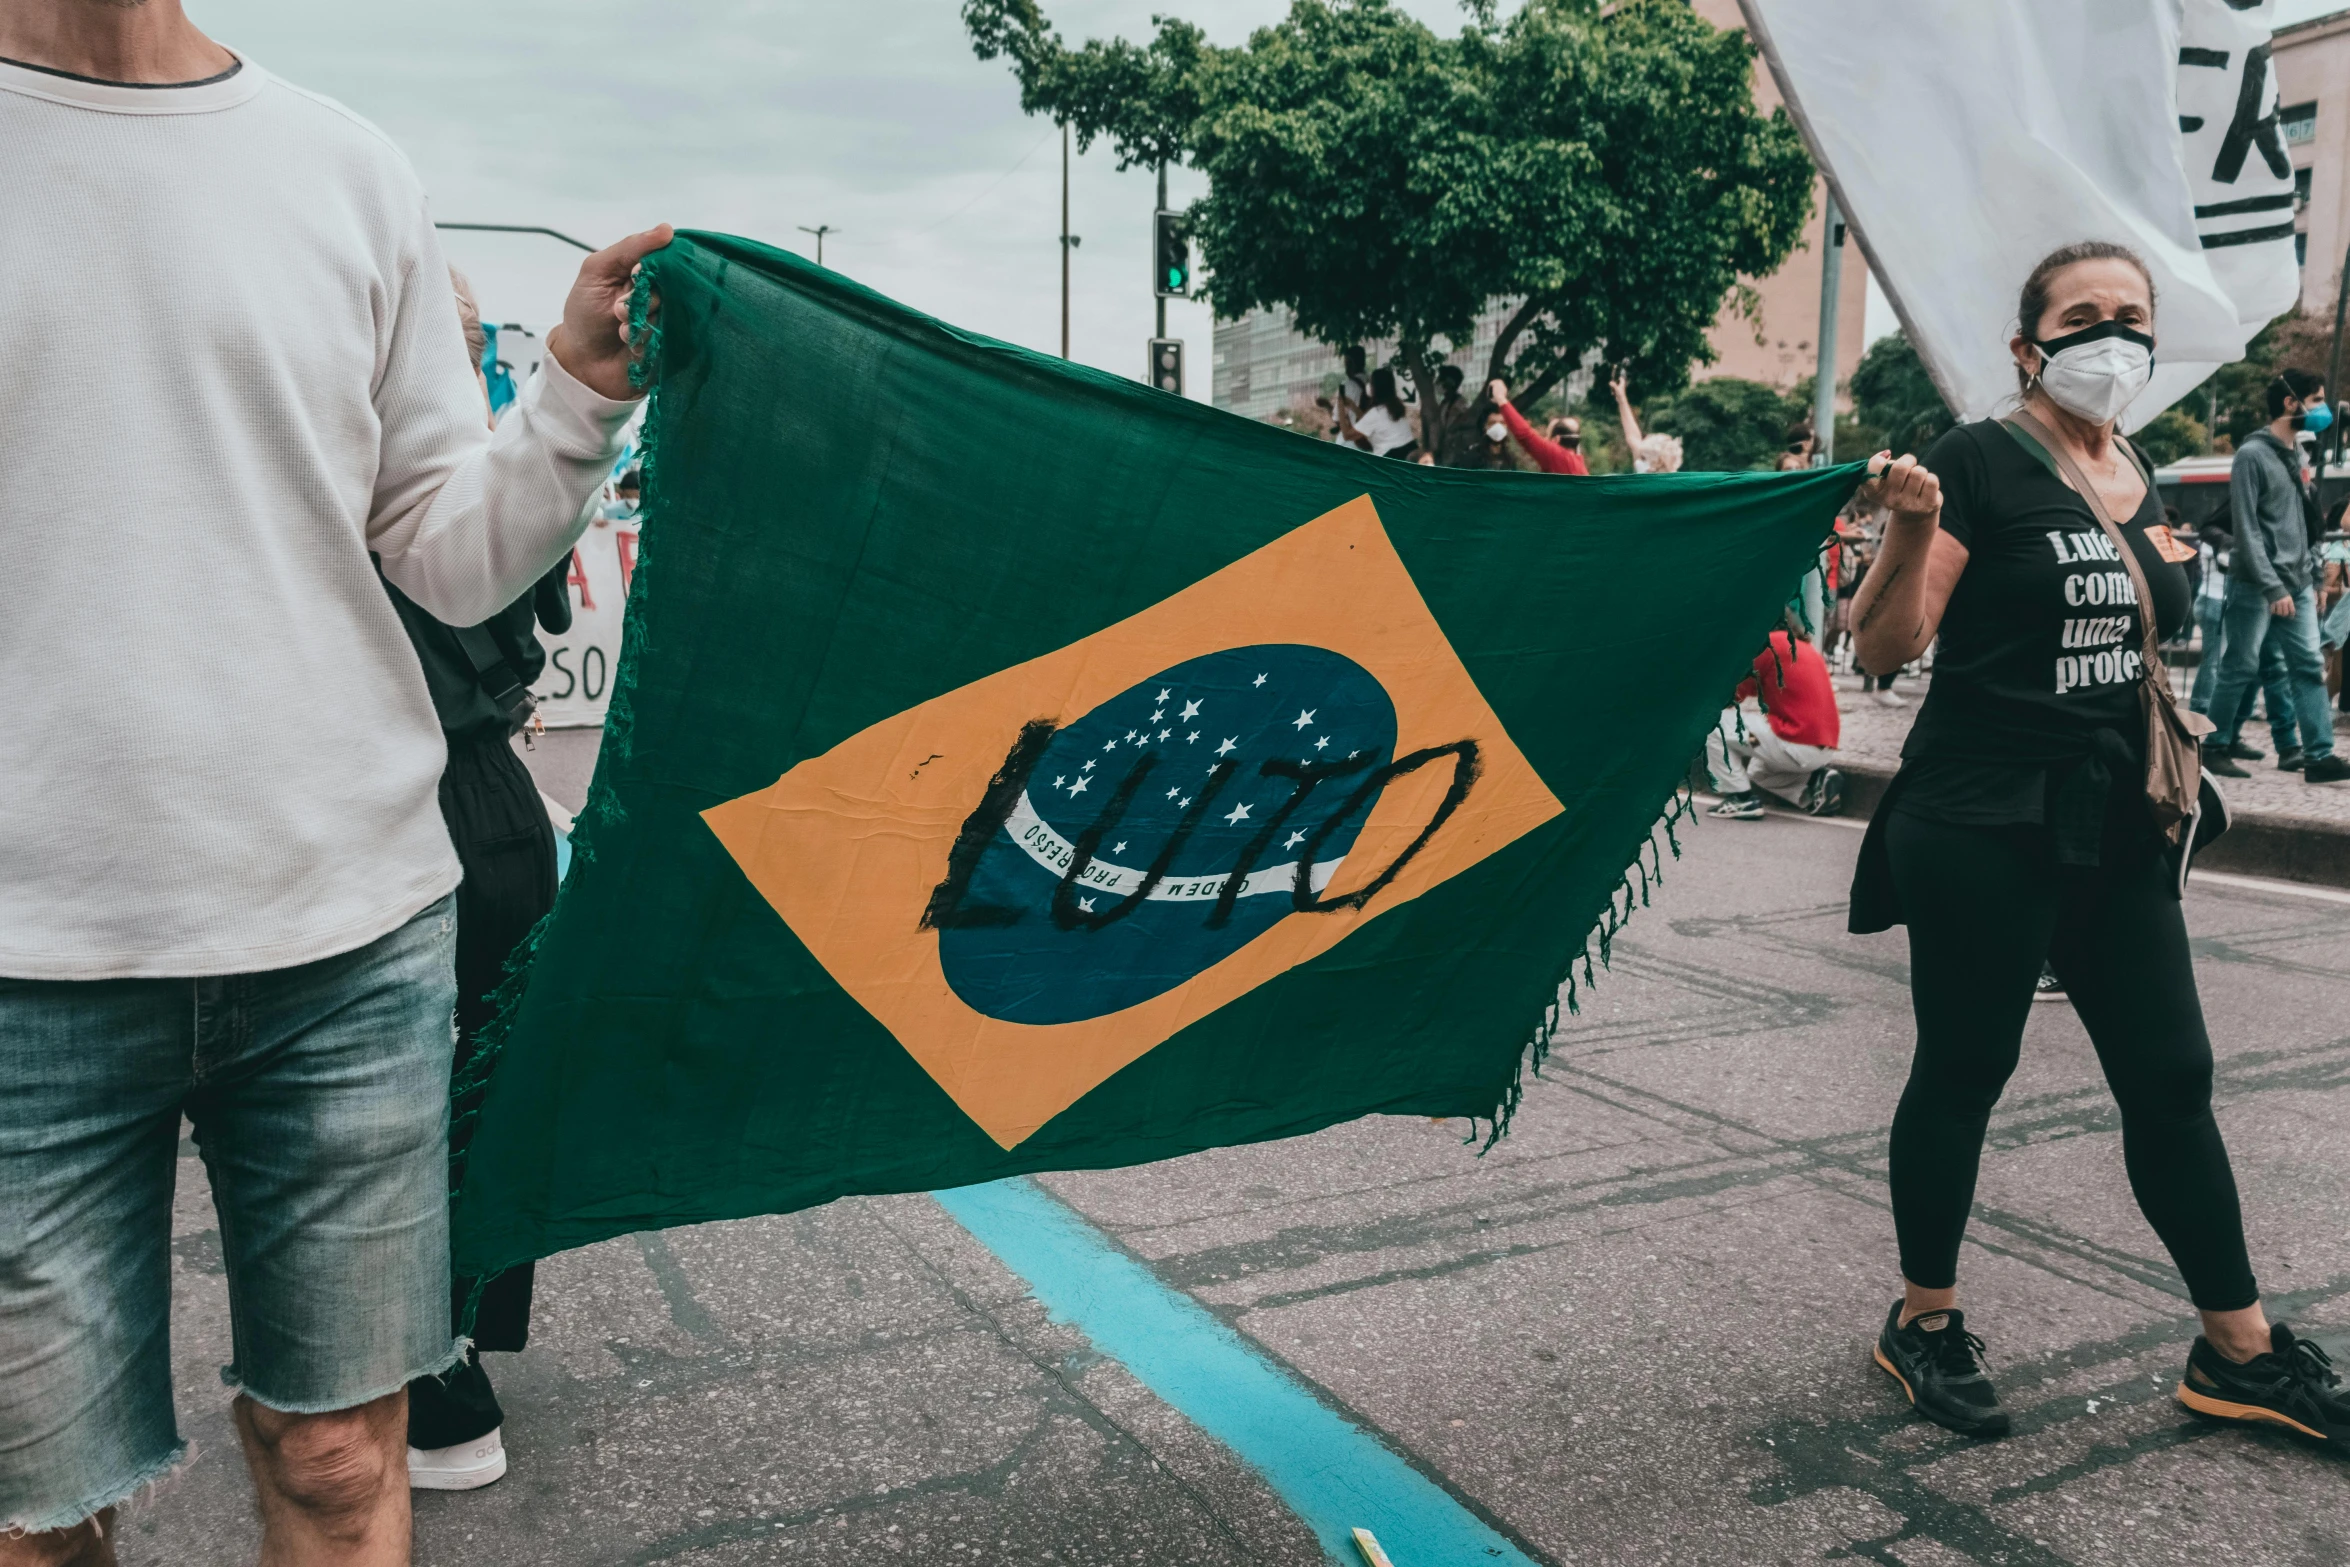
(1013, 767)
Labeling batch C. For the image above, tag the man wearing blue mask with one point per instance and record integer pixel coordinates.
(2269, 581)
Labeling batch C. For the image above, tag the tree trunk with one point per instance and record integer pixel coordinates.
(1517, 323)
(1551, 375)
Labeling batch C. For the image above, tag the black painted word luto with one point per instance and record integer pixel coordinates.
(952, 908)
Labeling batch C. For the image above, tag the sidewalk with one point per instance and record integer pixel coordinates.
(2284, 827)
(1873, 736)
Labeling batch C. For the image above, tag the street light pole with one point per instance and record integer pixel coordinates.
(820, 230)
(1823, 396)
(2334, 368)
(1162, 299)
(1064, 239)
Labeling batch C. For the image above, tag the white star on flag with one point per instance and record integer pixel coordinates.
(1230, 743)
(1120, 849)
(1078, 787)
(1057, 782)
(1130, 736)
(1112, 746)
(1239, 814)
(1293, 840)
(1172, 793)
(1185, 802)
(1088, 767)
(1322, 744)
(1260, 680)
(1190, 710)
(1191, 738)
(1086, 904)
(1304, 718)
(1162, 696)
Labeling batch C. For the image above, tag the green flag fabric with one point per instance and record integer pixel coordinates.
(1013, 767)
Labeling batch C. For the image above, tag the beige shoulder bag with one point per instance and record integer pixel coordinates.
(2174, 736)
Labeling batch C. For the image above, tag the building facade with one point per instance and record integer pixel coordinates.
(2312, 62)
(1264, 368)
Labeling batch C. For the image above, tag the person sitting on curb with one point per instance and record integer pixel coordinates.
(1779, 736)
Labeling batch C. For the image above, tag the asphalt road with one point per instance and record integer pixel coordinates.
(1635, 1332)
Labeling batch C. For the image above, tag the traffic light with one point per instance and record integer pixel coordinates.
(1171, 254)
(1166, 371)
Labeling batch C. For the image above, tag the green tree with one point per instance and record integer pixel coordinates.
(1893, 395)
(1726, 424)
(1604, 165)
(2234, 402)
(2171, 435)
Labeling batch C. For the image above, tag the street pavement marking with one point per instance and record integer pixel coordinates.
(1334, 1475)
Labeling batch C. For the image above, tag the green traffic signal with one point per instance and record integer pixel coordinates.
(1173, 251)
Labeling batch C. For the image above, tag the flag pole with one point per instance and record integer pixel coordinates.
(1823, 396)
(1759, 30)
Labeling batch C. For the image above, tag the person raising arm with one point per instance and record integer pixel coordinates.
(1900, 602)
(1548, 455)
(1650, 453)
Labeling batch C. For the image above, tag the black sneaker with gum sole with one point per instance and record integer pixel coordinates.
(2292, 1387)
(1936, 1361)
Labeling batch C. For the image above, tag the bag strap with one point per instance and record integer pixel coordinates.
(495, 676)
(2035, 438)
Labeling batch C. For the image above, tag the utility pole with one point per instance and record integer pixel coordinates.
(2333, 444)
(1162, 299)
(1823, 397)
(820, 230)
(1068, 240)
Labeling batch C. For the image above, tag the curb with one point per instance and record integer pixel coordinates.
(2257, 843)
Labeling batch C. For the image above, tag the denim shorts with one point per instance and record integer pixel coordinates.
(319, 1097)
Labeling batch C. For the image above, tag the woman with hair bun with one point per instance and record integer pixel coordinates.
(2019, 830)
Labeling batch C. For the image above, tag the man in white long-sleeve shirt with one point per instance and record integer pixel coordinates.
(234, 372)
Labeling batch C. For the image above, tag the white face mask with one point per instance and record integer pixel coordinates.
(1495, 433)
(2096, 373)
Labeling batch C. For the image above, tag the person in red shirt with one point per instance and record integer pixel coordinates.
(1787, 752)
(1549, 456)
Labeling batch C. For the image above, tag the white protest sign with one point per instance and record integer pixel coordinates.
(576, 686)
(1965, 139)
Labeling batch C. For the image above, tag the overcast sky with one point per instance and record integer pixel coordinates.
(758, 117)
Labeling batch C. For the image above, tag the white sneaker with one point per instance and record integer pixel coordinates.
(1886, 696)
(466, 1467)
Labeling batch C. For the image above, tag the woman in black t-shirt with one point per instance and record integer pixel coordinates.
(2018, 832)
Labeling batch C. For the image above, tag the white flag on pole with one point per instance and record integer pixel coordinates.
(1965, 139)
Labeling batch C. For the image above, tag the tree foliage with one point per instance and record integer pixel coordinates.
(2237, 393)
(1381, 180)
(1894, 397)
(1726, 424)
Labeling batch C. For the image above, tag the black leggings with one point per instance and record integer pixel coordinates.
(1985, 905)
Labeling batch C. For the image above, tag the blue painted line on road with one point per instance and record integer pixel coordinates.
(1333, 1474)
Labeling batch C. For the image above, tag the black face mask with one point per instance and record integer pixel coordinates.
(2052, 346)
